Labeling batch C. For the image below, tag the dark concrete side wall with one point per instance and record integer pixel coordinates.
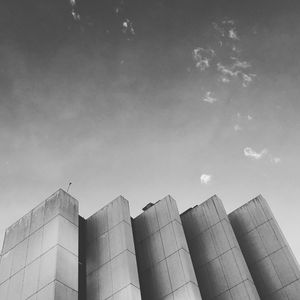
(110, 254)
(165, 267)
(218, 261)
(40, 252)
(271, 262)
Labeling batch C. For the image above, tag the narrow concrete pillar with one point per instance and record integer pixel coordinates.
(164, 263)
(271, 262)
(110, 254)
(220, 268)
(40, 253)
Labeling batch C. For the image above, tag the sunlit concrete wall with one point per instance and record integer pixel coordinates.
(165, 267)
(39, 256)
(110, 254)
(274, 268)
(218, 261)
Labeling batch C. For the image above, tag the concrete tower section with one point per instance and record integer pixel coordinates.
(271, 262)
(220, 268)
(39, 258)
(165, 267)
(111, 267)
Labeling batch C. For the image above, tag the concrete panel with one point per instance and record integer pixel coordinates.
(48, 267)
(97, 224)
(47, 293)
(5, 266)
(130, 292)
(216, 256)
(63, 292)
(97, 253)
(60, 231)
(120, 239)
(163, 257)
(105, 283)
(67, 268)
(118, 211)
(15, 286)
(188, 291)
(37, 217)
(269, 257)
(31, 277)
(19, 256)
(4, 290)
(124, 271)
(35, 245)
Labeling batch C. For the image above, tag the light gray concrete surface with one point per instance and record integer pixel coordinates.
(164, 263)
(218, 261)
(110, 254)
(271, 262)
(39, 259)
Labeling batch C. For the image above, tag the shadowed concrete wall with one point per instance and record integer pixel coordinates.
(110, 254)
(274, 269)
(164, 262)
(40, 253)
(220, 268)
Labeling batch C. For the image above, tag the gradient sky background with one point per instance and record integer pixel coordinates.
(143, 98)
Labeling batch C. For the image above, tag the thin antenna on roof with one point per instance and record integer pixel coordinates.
(69, 186)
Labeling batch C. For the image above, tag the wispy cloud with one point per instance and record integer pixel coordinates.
(203, 57)
(205, 178)
(249, 152)
(209, 98)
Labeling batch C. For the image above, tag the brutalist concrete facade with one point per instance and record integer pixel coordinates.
(52, 253)
(40, 252)
(271, 262)
(165, 266)
(220, 267)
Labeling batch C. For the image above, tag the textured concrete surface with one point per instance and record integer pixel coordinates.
(110, 254)
(271, 262)
(165, 266)
(218, 261)
(39, 258)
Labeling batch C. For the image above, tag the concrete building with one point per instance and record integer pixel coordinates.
(271, 262)
(220, 267)
(52, 253)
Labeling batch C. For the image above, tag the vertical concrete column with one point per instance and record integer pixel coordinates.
(164, 263)
(220, 268)
(110, 254)
(271, 262)
(39, 256)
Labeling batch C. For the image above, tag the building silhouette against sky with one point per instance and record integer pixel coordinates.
(52, 253)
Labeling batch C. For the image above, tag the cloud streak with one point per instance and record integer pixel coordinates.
(209, 98)
(249, 152)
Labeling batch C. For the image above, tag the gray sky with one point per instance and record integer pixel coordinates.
(149, 98)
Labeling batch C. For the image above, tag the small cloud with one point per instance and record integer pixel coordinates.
(237, 127)
(276, 160)
(127, 27)
(76, 15)
(249, 152)
(249, 117)
(203, 57)
(205, 178)
(209, 98)
(232, 34)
